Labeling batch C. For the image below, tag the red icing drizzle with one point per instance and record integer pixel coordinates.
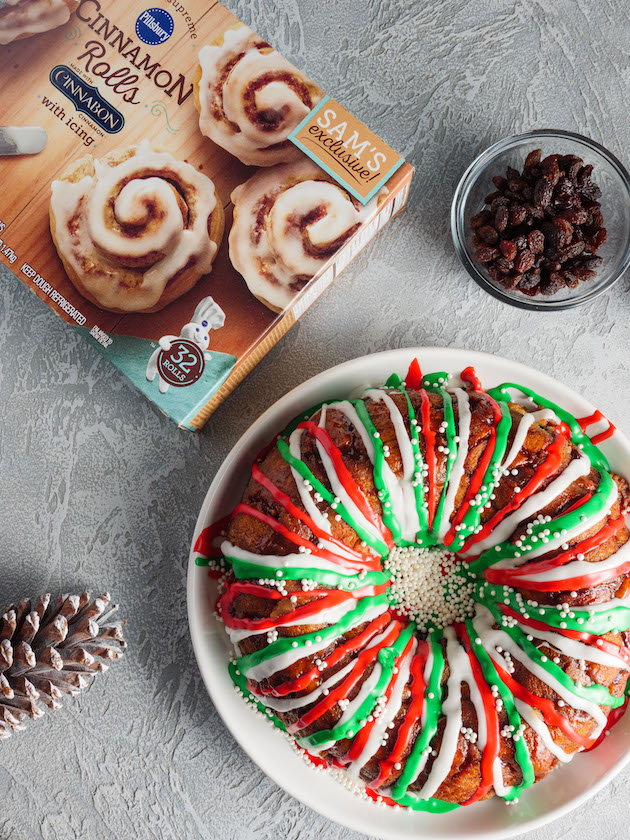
(363, 660)
(491, 749)
(349, 484)
(412, 716)
(591, 638)
(476, 481)
(413, 379)
(597, 417)
(361, 738)
(301, 683)
(302, 516)
(549, 713)
(291, 536)
(613, 718)
(543, 472)
(206, 543)
(431, 461)
(512, 576)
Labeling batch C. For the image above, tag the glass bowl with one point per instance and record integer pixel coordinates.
(608, 173)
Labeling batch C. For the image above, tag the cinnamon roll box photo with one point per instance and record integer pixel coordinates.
(175, 189)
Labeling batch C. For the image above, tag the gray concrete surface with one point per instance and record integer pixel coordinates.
(99, 490)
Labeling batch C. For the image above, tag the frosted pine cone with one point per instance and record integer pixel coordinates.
(46, 652)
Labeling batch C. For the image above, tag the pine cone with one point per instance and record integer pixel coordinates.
(46, 652)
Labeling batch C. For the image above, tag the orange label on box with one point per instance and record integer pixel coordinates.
(355, 157)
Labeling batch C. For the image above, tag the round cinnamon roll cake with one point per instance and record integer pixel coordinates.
(136, 229)
(250, 98)
(23, 18)
(288, 221)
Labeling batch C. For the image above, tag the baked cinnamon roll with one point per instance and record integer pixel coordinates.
(136, 229)
(250, 98)
(23, 18)
(288, 222)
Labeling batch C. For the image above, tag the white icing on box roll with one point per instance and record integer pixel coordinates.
(92, 236)
(30, 17)
(254, 127)
(289, 220)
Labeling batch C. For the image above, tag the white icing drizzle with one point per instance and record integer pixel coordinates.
(288, 561)
(288, 704)
(401, 490)
(30, 17)
(577, 568)
(327, 616)
(522, 430)
(373, 743)
(460, 671)
(256, 144)
(493, 638)
(457, 470)
(502, 531)
(576, 649)
(553, 543)
(131, 273)
(270, 666)
(353, 706)
(337, 487)
(540, 728)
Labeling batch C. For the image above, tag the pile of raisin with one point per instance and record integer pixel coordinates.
(542, 228)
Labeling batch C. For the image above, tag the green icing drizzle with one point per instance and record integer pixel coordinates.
(386, 657)
(598, 694)
(327, 634)
(491, 478)
(598, 622)
(520, 747)
(300, 467)
(433, 710)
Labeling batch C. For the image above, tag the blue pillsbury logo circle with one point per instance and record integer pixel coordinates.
(154, 26)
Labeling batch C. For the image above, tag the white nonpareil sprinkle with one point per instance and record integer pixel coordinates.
(430, 586)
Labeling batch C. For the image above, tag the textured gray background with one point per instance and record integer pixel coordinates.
(99, 490)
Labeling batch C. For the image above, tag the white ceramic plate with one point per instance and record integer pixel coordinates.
(565, 789)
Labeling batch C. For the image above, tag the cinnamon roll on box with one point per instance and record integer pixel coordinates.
(196, 194)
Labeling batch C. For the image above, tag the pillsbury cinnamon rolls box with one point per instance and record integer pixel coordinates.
(175, 189)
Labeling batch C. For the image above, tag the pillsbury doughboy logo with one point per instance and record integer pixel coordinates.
(154, 26)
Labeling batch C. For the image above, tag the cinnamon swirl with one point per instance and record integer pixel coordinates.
(136, 229)
(288, 221)
(250, 98)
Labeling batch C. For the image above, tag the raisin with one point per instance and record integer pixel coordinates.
(533, 158)
(543, 192)
(575, 215)
(530, 279)
(508, 249)
(499, 182)
(524, 261)
(504, 265)
(565, 230)
(599, 239)
(536, 241)
(488, 234)
(486, 254)
(517, 215)
(550, 168)
(479, 219)
(597, 220)
(570, 279)
(574, 250)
